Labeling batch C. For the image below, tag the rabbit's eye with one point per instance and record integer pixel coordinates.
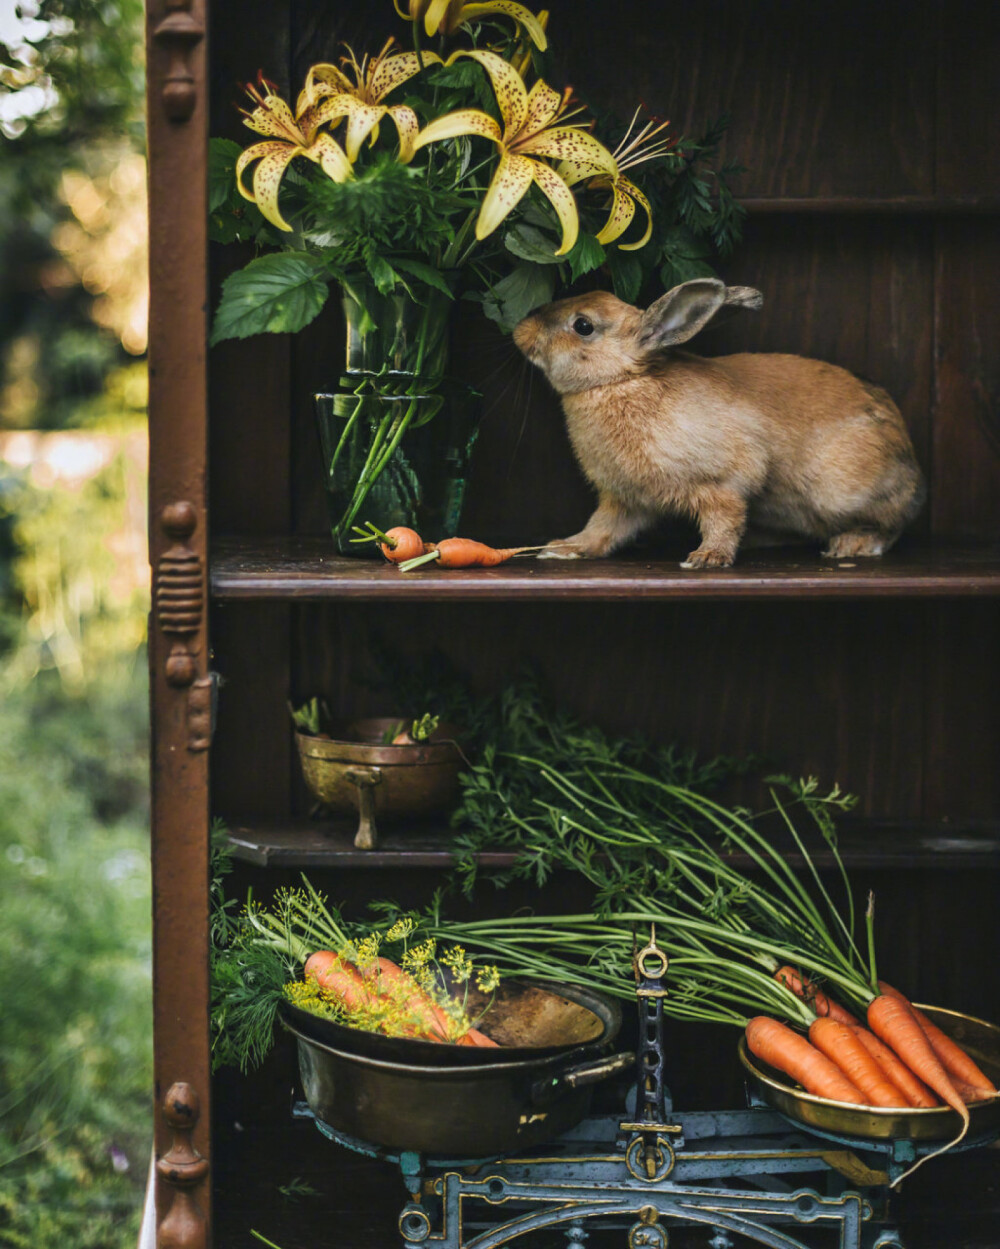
(583, 326)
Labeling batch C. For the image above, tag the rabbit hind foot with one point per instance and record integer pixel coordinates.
(859, 542)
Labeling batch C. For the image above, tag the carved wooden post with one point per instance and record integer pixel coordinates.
(177, 34)
(183, 1168)
(180, 688)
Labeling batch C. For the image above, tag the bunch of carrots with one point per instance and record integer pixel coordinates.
(378, 992)
(902, 1060)
(405, 548)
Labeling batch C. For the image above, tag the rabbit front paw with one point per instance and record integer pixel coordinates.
(561, 548)
(709, 557)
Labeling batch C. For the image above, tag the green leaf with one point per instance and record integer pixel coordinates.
(680, 269)
(278, 294)
(586, 255)
(222, 157)
(424, 273)
(520, 292)
(680, 241)
(529, 243)
(626, 274)
(382, 273)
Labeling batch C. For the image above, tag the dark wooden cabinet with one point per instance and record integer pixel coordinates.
(869, 133)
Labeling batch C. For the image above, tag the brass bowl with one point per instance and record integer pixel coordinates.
(357, 774)
(941, 1123)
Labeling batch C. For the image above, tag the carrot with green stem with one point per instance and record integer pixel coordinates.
(397, 544)
(465, 553)
(802, 987)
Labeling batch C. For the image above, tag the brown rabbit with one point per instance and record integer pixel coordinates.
(794, 446)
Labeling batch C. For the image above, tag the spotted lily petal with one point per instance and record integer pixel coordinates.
(524, 17)
(331, 158)
(257, 152)
(543, 107)
(574, 171)
(274, 118)
(622, 212)
(569, 143)
(407, 127)
(561, 198)
(453, 125)
(267, 179)
(394, 70)
(513, 177)
(326, 108)
(511, 93)
(361, 121)
(624, 184)
(324, 79)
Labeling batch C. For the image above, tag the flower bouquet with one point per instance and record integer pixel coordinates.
(413, 180)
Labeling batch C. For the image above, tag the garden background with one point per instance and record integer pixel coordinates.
(75, 1010)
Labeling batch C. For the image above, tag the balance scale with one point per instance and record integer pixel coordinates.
(731, 1171)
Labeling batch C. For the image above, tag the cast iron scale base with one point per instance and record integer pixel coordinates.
(728, 1171)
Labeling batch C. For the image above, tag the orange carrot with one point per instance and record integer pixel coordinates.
(791, 1053)
(392, 981)
(465, 553)
(339, 978)
(802, 987)
(952, 1057)
(891, 1019)
(480, 1039)
(839, 1043)
(400, 544)
(896, 1071)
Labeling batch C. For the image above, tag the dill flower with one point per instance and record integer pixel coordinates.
(400, 930)
(416, 959)
(459, 963)
(487, 978)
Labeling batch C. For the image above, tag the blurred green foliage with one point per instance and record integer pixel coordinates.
(71, 97)
(75, 1023)
(75, 1061)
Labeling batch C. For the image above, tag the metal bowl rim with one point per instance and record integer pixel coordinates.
(347, 751)
(813, 1099)
(544, 1058)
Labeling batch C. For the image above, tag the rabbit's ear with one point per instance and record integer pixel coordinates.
(738, 298)
(681, 313)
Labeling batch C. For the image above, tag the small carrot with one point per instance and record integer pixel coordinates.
(791, 1053)
(896, 1071)
(465, 553)
(953, 1058)
(802, 987)
(839, 1043)
(397, 544)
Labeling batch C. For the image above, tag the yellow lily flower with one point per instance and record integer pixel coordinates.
(447, 15)
(530, 130)
(291, 136)
(625, 194)
(360, 101)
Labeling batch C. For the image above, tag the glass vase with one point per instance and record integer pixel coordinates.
(397, 435)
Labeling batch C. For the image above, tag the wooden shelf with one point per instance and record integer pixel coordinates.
(858, 205)
(863, 844)
(307, 569)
